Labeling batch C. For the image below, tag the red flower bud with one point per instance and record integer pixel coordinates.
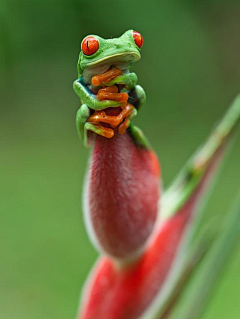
(122, 195)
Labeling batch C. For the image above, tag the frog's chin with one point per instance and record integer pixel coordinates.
(123, 61)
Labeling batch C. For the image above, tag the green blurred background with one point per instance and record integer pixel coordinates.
(190, 69)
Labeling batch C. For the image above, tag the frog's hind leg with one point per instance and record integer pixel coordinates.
(81, 118)
(138, 137)
(84, 125)
(98, 129)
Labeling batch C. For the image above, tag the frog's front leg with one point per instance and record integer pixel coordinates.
(90, 99)
(83, 126)
(127, 79)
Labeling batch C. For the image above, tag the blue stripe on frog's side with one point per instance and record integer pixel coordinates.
(85, 87)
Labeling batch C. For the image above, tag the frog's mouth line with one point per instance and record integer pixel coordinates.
(126, 56)
(122, 60)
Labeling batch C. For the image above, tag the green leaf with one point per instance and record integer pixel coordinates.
(193, 171)
(194, 300)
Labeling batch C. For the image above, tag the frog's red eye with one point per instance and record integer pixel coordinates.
(138, 38)
(90, 45)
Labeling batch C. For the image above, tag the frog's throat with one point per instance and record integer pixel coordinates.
(121, 60)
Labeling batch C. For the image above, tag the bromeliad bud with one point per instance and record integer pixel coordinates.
(121, 195)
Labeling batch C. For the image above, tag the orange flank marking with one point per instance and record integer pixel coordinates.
(106, 77)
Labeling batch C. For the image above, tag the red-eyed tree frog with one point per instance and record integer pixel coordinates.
(96, 57)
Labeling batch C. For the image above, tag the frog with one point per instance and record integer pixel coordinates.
(97, 56)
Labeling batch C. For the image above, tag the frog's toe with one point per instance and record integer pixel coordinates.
(97, 129)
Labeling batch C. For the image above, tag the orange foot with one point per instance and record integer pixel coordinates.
(114, 121)
(106, 77)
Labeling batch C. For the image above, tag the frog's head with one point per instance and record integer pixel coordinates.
(98, 54)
